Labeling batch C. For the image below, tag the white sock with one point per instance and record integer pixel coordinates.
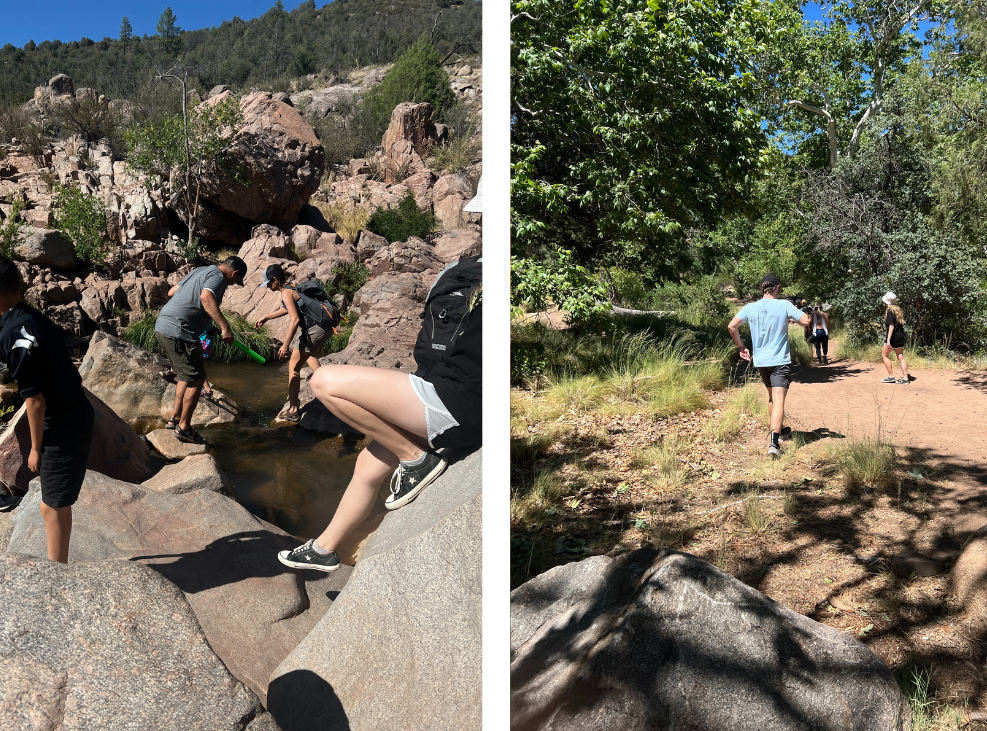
(419, 460)
(319, 549)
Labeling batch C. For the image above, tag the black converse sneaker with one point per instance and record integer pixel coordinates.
(410, 478)
(306, 557)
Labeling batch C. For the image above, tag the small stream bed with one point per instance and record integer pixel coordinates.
(289, 476)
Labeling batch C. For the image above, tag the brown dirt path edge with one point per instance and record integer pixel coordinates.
(939, 418)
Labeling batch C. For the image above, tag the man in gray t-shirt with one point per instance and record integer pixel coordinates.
(193, 305)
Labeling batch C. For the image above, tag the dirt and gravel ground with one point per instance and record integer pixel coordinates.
(793, 529)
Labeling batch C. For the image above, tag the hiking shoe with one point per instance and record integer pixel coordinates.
(306, 557)
(774, 451)
(903, 380)
(889, 379)
(410, 479)
(172, 424)
(189, 437)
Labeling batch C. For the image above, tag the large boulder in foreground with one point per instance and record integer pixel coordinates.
(253, 609)
(109, 646)
(663, 640)
(126, 378)
(116, 450)
(281, 157)
(400, 647)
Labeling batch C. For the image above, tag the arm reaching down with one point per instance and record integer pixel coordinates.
(36, 423)
(209, 304)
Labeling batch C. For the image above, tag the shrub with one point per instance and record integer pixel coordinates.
(347, 280)
(141, 334)
(528, 361)
(870, 462)
(10, 229)
(457, 155)
(13, 123)
(91, 120)
(81, 217)
(417, 76)
(403, 222)
(341, 339)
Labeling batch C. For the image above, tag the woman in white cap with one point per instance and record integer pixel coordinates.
(894, 320)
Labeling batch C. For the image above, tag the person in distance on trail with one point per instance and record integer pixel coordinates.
(193, 305)
(409, 417)
(894, 320)
(820, 330)
(304, 339)
(769, 318)
(59, 416)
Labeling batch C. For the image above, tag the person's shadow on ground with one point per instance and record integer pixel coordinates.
(302, 701)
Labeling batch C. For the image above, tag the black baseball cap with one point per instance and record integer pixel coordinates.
(770, 281)
(272, 272)
(238, 265)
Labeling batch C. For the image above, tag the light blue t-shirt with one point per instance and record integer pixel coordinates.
(768, 320)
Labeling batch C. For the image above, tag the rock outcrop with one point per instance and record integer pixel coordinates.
(283, 160)
(407, 625)
(663, 640)
(198, 472)
(408, 139)
(126, 379)
(116, 450)
(46, 248)
(252, 609)
(169, 446)
(109, 646)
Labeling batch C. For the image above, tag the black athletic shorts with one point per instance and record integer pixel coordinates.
(776, 376)
(65, 455)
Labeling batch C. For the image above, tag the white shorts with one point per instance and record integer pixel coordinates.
(437, 416)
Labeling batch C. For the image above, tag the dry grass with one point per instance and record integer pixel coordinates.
(745, 405)
(347, 223)
(867, 462)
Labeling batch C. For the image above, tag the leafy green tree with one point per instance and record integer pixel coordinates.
(417, 76)
(570, 286)
(833, 76)
(188, 148)
(82, 218)
(169, 32)
(403, 222)
(632, 123)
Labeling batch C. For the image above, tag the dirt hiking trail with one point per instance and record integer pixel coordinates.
(936, 420)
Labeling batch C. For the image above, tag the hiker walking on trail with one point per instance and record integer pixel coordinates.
(769, 318)
(194, 303)
(313, 319)
(820, 334)
(409, 417)
(59, 416)
(894, 320)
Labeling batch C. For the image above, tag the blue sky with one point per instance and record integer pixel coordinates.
(65, 20)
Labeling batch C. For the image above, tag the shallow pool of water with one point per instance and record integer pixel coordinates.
(286, 475)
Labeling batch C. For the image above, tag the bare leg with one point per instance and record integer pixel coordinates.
(294, 380)
(189, 402)
(885, 351)
(380, 403)
(373, 465)
(180, 388)
(900, 352)
(58, 530)
(778, 410)
(313, 363)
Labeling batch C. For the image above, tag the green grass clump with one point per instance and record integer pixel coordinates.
(530, 501)
(870, 462)
(141, 333)
(803, 352)
(928, 714)
(403, 222)
(746, 402)
(666, 469)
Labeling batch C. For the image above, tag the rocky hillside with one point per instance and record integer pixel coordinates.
(281, 216)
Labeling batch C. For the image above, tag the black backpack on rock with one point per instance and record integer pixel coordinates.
(315, 307)
(456, 292)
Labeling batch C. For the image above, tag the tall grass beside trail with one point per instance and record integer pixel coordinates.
(141, 333)
(347, 223)
(938, 356)
(745, 403)
(928, 714)
(803, 352)
(639, 375)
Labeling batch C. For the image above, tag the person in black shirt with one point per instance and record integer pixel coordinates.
(59, 414)
(894, 321)
(408, 417)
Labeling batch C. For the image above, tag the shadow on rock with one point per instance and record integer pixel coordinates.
(302, 701)
(227, 560)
